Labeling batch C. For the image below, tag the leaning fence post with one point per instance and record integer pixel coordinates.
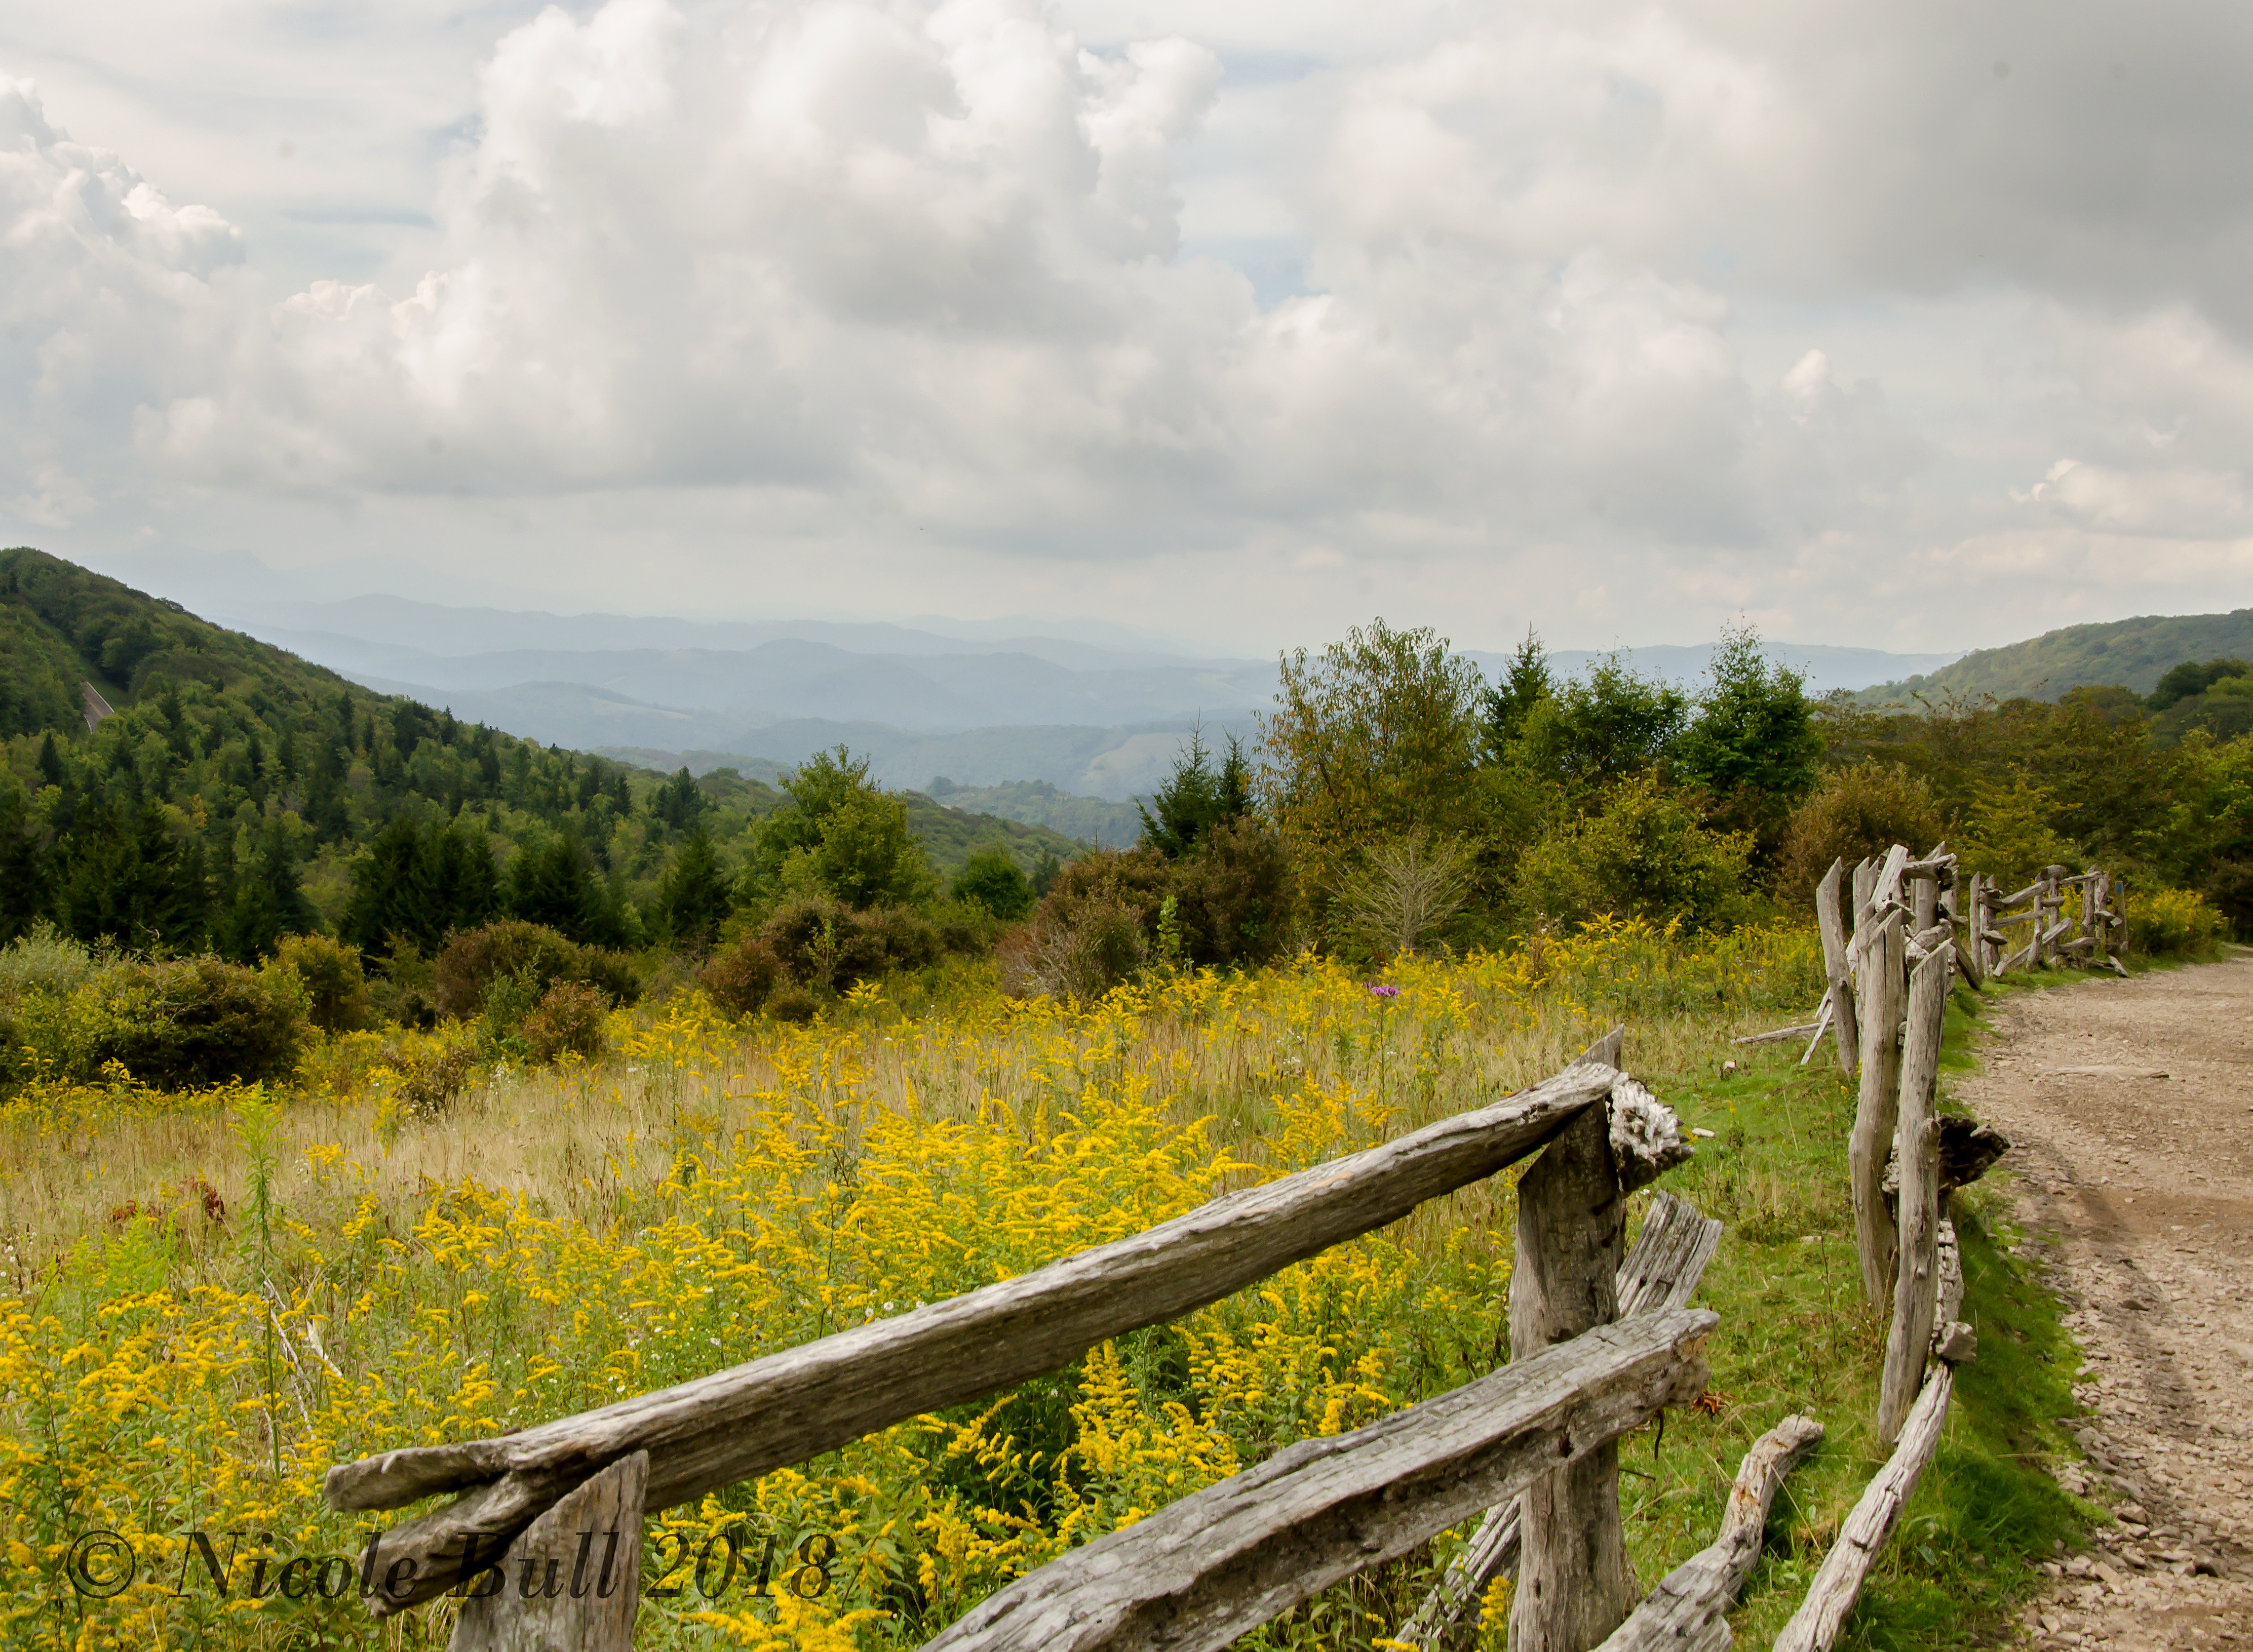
(1884, 986)
(1916, 1281)
(1830, 920)
(578, 1566)
(1574, 1584)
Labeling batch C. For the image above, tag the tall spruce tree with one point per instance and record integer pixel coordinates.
(129, 877)
(693, 900)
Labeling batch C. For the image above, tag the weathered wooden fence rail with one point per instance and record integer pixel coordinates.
(1537, 1433)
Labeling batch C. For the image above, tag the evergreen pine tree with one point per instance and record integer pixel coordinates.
(693, 901)
(126, 876)
(553, 882)
(267, 900)
(26, 887)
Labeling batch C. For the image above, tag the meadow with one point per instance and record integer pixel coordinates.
(211, 1296)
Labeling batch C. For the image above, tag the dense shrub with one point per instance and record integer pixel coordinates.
(740, 978)
(178, 1024)
(43, 959)
(1856, 813)
(1135, 880)
(329, 973)
(1237, 894)
(1080, 951)
(1648, 855)
(828, 945)
(794, 1004)
(567, 1022)
(2161, 921)
(475, 958)
(430, 1082)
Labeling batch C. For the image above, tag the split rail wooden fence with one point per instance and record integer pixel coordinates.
(1537, 1436)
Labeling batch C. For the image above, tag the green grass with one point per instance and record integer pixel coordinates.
(1795, 1337)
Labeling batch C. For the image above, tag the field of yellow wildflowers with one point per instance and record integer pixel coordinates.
(209, 1298)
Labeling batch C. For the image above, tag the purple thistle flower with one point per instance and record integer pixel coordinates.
(1385, 992)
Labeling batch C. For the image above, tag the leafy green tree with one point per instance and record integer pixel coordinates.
(864, 856)
(1856, 813)
(1197, 796)
(991, 879)
(2223, 709)
(1753, 744)
(840, 836)
(695, 895)
(1376, 739)
(2193, 678)
(2010, 833)
(1602, 728)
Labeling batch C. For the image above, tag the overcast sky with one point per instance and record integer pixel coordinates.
(1912, 325)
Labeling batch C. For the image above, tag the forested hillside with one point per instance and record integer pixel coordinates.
(222, 793)
(2129, 653)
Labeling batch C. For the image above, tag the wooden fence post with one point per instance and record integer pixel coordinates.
(1924, 900)
(1832, 923)
(1574, 1584)
(1917, 1275)
(1884, 986)
(1971, 953)
(578, 1566)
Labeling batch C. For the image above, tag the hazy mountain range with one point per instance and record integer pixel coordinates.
(1095, 719)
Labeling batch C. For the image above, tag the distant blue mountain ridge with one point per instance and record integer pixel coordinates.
(1095, 719)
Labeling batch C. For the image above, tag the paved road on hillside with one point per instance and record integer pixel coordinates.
(2137, 1192)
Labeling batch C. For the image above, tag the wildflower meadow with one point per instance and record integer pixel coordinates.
(211, 1296)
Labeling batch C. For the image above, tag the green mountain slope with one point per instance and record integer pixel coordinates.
(230, 792)
(2133, 653)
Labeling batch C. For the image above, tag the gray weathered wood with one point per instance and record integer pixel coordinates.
(1815, 1626)
(1822, 1025)
(1886, 890)
(1916, 1278)
(1972, 956)
(571, 1582)
(746, 1421)
(1952, 1340)
(1780, 1035)
(1693, 1599)
(1574, 1584)
(1198, 1573)
(1831, 919)
(1883, 988)
(1661, 1273)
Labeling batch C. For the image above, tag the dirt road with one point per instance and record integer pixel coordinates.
(2131, 1103)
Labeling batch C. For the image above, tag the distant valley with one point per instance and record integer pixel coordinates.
(1098, 724)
